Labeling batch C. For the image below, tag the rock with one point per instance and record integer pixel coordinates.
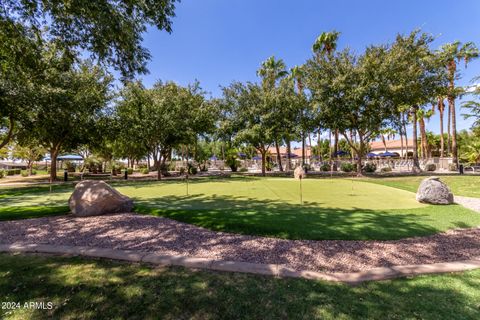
(434, 191)
(299, 173)
(92, 198)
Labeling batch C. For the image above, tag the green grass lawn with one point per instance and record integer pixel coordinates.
(100, 289)
(467, 186)
(331, 209)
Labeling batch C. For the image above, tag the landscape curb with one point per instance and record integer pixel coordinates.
(375, 274)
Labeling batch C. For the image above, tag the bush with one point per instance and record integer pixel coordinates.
(370, 167)
(430, 167)
(181, 170)
(10, 172)
(145, 171)
(24, 173)
(2, 173)
(18, 171)
(452, 167)
(347, 167)
(386, 169)
(130, 171)
(243, 169)
(325, 167)
(34, 172)
(192, 169)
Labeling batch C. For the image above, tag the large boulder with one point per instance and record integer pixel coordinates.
(93, 198)
(299, 173)
(434, 191)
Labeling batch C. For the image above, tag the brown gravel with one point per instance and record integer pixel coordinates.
(161, 235)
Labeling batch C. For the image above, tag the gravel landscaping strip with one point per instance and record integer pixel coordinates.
(170, 237)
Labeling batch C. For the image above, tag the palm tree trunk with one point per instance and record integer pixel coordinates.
(279, 157)
(441, 108)
(449, 135)
(416, 164)
(263, 152)
(289, 151)
(454, 132)
(303, 149)
(423, 137)
(335, 147)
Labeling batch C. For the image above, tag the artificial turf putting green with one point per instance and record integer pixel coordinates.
(332, 208)
(101, 289)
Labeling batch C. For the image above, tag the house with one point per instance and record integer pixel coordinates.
(392, 146)
(13, 165)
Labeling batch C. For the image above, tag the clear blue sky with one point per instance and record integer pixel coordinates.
(218, 41)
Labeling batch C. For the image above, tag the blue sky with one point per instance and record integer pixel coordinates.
(218, 41)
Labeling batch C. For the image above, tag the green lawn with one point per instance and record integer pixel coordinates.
(331, 209)
(99, 289)
(467, 186)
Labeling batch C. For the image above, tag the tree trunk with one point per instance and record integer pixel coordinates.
(53, 164)
(454, 130)
(335, 147)
(9, 135)
(441, 108)
(279, 157)
(406, 135)
(449, 135)
(303, 149)
(423, 137)
(289, 151)
(416, 164)
(264, 153)
(401, 144)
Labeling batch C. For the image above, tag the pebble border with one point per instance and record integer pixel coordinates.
(276, 270)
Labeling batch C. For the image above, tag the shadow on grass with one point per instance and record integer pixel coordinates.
(92, 289)
(292, 221)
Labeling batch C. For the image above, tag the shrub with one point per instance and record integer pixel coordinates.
(192, 169)
(386, 169)
(2, 173)
(347, 167)
(430, 167)
(24, 173)
(10, 172)
(370, 167)
(182, 170)
(452, 167)
(130, 171)
(18, 171)
(307, 167)
(34, 172)
(325, 167)
(243, 169)
(144, 171)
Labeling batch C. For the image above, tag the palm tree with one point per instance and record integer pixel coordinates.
(326, 44)
(441, 110)
(450, 54)
(270, 71)
(421, 116)
(297, 75)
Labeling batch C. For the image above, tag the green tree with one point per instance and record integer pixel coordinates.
(68, 103)
(110, 30)
(450, 54)
(29, 153)
(416, 79)
(271, 71)
(251, 120)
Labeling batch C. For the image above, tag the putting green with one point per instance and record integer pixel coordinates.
(331, 193)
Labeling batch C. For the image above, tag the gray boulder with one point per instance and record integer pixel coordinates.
(434, 191)
(93, 198)
(299, 173)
